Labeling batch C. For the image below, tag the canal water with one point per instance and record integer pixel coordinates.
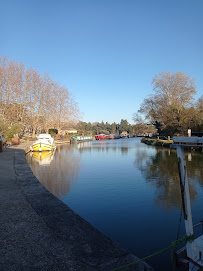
(126, 189)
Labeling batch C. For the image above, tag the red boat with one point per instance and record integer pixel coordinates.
(101, 137)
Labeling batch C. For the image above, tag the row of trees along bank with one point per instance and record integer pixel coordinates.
(31, 102)
(107, 128)
(171, 108)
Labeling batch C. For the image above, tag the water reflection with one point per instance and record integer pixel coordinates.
(121, 186)
(195, 167)
(42, 158)
(60, 171)
(160, 170)
(158, 167)
(105, 146)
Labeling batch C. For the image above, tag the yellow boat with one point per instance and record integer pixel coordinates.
(43, 158)
(43, 155)
(44, 143)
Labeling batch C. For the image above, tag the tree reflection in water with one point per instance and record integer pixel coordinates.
(157, 165)
(60, 173)
(160, 170)
(104, 146)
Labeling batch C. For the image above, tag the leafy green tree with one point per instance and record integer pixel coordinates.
(9, 131)
(88, 126)
(113, 127)
(199, 114)
(108, 127)
(81, 125)
(124, 125)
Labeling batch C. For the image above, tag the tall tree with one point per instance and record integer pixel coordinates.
(48, 103)
(199, 114)
(166, 107)
(33, 100)
(36, 98)
(124, 125)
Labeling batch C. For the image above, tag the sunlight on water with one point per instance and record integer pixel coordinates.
(126, 189)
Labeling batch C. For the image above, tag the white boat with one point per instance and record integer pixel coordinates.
(78, 139)
(44, 143)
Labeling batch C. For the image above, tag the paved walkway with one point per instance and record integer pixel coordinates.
(39, 232)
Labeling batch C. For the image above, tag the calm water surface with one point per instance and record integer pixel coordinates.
(126, 189)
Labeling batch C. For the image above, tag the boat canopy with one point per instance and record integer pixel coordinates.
(44, 136)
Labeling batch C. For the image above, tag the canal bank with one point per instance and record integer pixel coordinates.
(166, 143)
(157, 142)
(39, 232)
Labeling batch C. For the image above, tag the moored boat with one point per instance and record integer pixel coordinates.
(78, 139)
(102, 137)
(44, 143)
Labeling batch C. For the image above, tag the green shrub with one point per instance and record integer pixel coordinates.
(10, 130)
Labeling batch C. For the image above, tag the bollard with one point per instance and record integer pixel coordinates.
(1, 145)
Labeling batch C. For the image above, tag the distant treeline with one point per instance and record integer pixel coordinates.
(118, 128)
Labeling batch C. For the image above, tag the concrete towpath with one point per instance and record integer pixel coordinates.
(39, 232)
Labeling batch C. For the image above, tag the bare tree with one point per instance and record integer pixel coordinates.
(175, 89)
(65, 109)
(173, 94)
(49, 103)
(32, 100)
(35, 98)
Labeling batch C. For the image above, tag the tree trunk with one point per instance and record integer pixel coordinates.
(33, 131)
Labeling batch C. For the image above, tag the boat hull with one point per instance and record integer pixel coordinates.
(102, 137)
(42, 147)
(43, 155)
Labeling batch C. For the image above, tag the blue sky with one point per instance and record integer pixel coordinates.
(106, 52)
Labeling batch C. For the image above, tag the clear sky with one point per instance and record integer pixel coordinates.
(105, 52)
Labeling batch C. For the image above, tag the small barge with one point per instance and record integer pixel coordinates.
(78, 139)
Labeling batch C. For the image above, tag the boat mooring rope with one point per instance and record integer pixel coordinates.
(173, 245)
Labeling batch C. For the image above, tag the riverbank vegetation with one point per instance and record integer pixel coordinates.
(107, 128)
(171, 107)
(166, 143)
(31, 102)
(114, 128)
(157, 142)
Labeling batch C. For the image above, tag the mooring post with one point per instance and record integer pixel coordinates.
(194, 246)
(186, 206)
